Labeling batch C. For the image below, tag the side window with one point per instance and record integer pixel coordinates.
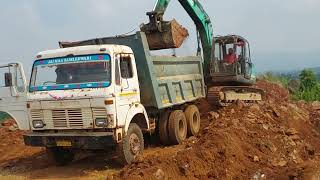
(126, 67)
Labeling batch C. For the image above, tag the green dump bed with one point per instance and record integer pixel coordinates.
(164, 81)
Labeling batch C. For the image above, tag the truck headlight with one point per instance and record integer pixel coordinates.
(38, 124)
(101, 122)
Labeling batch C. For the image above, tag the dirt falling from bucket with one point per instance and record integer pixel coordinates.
(172, 36)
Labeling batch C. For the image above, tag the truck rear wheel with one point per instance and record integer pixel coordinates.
(193, 120)
(60, 156)
(163, 127)
(177, 127)
(131, 145)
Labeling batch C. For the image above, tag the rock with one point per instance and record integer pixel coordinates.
(256, 159)
(266, 127)
(276, 112)
(316, 105)
(184, 169)
(258, 176)
(240, 104)
(295, 137)
(213, 115)
(232, 111)
(8, 123)
(272, 147)
(12, 129)
(282, 162)
(160, 175)
(193, 139)
(291, 131)
(310, 150)
(254, 108)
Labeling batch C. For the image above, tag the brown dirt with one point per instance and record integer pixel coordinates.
(275, 139)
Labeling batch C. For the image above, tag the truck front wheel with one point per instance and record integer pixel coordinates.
(131, 145)
(177, 127)
(61, 156)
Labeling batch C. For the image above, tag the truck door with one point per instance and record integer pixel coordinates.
(13, 93)
(127, 85)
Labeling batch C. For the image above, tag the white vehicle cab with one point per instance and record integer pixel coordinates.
(91, 96)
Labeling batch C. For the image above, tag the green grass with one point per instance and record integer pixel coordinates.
(309, 95)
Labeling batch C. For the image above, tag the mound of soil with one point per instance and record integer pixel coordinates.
(12, 145)
(274, 92)
(271, 140)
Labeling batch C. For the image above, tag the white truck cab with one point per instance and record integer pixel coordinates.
(90, 93)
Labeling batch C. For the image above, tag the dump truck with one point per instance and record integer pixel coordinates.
(104, 94)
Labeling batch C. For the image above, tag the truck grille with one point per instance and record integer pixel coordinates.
(67, 118)
(36, 115)
(99, 113)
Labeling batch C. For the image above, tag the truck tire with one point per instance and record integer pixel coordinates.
(60, 156)
(193, 120)
(131, 145)
(177, 127)
(163, 127)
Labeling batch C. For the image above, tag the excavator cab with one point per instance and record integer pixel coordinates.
(231, 64)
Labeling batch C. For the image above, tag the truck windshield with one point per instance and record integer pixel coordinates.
(76, 72)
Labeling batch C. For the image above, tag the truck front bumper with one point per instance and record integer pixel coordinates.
(87, 140)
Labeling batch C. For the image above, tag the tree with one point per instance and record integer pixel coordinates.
(308, 79)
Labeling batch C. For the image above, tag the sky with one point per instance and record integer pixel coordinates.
(284, 35)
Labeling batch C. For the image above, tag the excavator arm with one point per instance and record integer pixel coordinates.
(199, 17)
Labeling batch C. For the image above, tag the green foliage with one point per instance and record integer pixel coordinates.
(308, 80)
(274, 78)
(309, 87)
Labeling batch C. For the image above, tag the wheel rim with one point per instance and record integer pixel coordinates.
(181, 128)
(135, 145)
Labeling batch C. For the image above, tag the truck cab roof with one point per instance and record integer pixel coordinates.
(84, 50)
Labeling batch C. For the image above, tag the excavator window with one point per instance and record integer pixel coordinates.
(218, 52)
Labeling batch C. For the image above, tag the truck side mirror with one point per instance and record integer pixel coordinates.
(8, 79)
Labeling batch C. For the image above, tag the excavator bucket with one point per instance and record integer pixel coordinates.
(172, 35)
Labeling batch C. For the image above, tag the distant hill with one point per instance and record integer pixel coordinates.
(294, 74)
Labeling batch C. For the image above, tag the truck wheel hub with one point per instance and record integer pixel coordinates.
(134, 144)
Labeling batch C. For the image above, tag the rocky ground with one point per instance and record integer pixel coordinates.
(274, 139)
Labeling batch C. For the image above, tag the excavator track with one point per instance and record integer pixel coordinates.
(226, 95)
